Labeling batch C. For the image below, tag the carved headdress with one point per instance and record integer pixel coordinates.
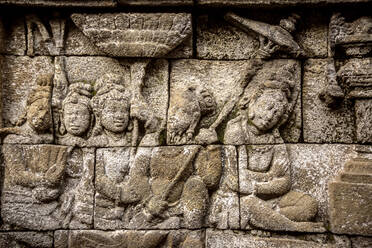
(43, 90)
(79, 92)
(108, 87)
(283, 80)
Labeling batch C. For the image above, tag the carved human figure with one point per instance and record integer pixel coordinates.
(111, 106)
(35, 126)
(32, 187)
(264, 170)
(194, 104)
(77, 115)
(114, 195)
(174, 196)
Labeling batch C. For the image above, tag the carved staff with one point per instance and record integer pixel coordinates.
(271, 38)
(145, 216)
(137, 75)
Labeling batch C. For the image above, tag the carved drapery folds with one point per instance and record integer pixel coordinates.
(161, 129)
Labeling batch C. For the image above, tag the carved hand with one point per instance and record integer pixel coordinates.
(156, 206)
(55, 172)
(127, 195)
(248, 188)
(67, 203)
(232, 183)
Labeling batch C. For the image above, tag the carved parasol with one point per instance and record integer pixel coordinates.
(275, 33)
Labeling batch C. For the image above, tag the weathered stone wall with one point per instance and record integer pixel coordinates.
(181, 123)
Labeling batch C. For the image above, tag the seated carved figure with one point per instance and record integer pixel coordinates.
(77, 115)
(111, 106)
(173, 184)
(32, 187)
(114, 195)
(35, 125)
(267, 175)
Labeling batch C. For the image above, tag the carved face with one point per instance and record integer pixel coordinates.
(115, 116)
(39, 115)
(76, 118)
(267, 110)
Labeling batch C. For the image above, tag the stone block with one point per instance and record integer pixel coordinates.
(361, 242)
(218, 39)
(135, 34)
(63, 3)
(155, 2)
(350, 199)
(143, 192)
(274, 3)
(284, 182)
(130, 239)
(47, 187)
(224, 211)
(26, 90)
(26, 239)
(12, 35)
(350, 205)
(77, 44)
(240, 239)
(321, 123)
(313, 166)
(206, 106)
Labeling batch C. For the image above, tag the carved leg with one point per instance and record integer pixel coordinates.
(195, 202)
(261, 215)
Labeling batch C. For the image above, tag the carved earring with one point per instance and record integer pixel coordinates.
(62, 128)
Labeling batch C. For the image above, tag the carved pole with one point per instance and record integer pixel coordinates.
(137, 75)
(271, 38)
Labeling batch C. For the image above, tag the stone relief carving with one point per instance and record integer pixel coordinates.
(47, 187)
(351, 80)
(147, 194)
(143, 239)
(128, 149)
(135, 35)
(350, 201)
(35, 125)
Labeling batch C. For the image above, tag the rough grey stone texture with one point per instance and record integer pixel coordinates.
(26, 239)
(273, 3)
(76, 43)
(217, 39)
(135, 35)
(313, 166)
(12, 35)
(350, 203)
(141, 193)
(361, 242)
(321, 123)
(19, 74)
(178, 124)
(155, 3)
(130, 239)
(65, 3)
(154, 92)
(220, 239)
(47, 187)
(224, 210)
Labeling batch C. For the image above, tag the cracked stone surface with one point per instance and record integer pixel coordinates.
(179, 124)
